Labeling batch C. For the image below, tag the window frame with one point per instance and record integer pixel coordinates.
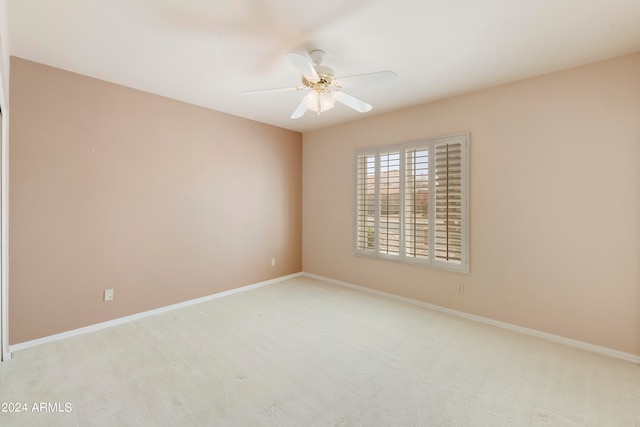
(429, 144)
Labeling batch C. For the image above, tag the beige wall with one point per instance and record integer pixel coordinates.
(159, 200)
(554, 203)
(177, 202)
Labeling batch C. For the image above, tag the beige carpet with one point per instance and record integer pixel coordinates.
(307, 353)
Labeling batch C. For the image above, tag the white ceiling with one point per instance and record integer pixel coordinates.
(206, 51)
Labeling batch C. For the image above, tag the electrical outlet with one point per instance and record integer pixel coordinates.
(461, 288)
(273, 262)
(108, 295)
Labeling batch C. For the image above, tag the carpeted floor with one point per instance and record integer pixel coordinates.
(307, 353)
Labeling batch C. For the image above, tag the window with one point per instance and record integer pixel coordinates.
(411, 202)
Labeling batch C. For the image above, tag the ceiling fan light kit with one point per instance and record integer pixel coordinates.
(319, 101)
(323, 88)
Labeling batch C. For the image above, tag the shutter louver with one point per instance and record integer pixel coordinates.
(389, 203)
(448, 202)
(416, 203)
(365, 206)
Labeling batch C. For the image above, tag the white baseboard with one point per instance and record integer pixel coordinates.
(532, 332)
(527, 331)
(126, 319)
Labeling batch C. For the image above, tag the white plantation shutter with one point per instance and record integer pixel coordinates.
(388, 191)
(416, 203)
(448, 218)
(411, 202)
(366, 202)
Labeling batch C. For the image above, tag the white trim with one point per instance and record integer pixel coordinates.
(144, 314)
(531, 332)
(629, 357)
(5, 353)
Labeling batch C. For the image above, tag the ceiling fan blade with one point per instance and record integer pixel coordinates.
(278, 89)
(352, 102)
(304, 64)
(368, 79)
(299, 112)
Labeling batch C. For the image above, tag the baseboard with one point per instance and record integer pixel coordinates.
(527, 331)
(532, 332)
(149, 313)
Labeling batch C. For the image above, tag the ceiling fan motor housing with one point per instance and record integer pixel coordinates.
(326, 79)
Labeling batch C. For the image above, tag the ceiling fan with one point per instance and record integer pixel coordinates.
(323, 89)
